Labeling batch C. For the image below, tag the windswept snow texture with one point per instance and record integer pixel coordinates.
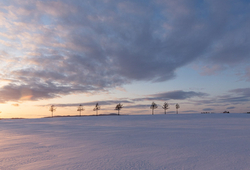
(172, 142)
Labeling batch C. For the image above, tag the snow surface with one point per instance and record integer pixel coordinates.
(172, 142)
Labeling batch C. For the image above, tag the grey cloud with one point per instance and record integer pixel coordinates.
(208, 109)
(235, 96)
(231, 107)
(241, 91)
(232, 99)
(174, 95)
(84, 46)
(138, 106)
(38, 91)
(190, 111)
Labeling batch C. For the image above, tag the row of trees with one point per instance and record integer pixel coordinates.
(165, 107)
(118, 108)
(80, 108)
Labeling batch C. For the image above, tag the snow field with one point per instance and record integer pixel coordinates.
(171, 142)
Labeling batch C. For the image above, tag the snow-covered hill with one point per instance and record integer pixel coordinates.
(193, 141)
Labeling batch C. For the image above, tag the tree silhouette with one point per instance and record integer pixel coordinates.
(52, 109)
(177, 107)
(97, 107)
(153, 106)
(118, 108)
(165, 107)
(80, 109)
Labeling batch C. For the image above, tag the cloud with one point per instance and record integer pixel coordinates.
(231, 107)
(35, 91)
(16, 105)
(235, 96)
(173, 95)
(190, 111)
(138, 106)
(64, 47)
(241, 91)
(208, 109)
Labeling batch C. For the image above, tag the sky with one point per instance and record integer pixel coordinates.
(135, 52)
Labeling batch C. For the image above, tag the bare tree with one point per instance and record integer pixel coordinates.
(52, 109)
(153, 106)
(118, 108)
(165, 107)
(97, 107)
(177, 107)
(80, 109)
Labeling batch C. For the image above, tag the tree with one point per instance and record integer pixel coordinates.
(153, 106)
(177, 107)
(118, 108)
(97, 107)
(80, 109)
(165, 107)
(52, 109)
